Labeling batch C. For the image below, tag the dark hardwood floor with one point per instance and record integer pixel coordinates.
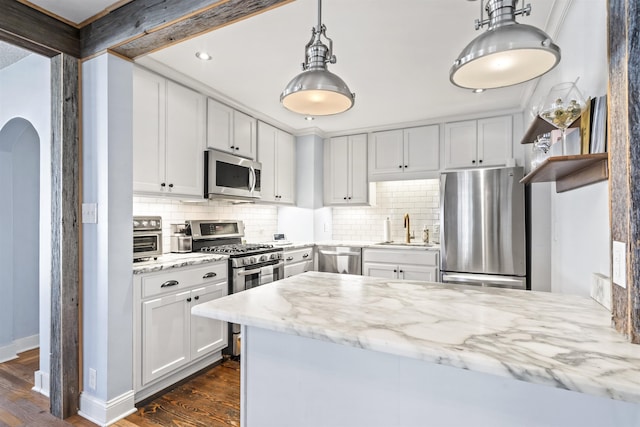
(211, 399)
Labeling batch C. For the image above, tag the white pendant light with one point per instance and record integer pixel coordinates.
(507, 53)
(317, 91)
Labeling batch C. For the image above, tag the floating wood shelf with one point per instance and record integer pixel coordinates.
(571, 172)
(540, 126)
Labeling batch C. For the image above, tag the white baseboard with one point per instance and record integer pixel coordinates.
(27, 343)
(41, 382)
(106, 413)
(8, 352)
(11, 350)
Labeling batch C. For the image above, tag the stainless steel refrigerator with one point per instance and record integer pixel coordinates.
(482, 233)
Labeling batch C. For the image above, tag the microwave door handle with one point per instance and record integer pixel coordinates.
(252, 184)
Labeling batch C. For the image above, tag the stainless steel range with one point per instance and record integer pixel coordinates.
(250, 265)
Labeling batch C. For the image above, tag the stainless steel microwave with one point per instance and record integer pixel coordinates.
(226, 175)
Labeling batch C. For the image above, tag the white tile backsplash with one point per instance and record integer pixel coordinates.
(419, 198)
(260, 221)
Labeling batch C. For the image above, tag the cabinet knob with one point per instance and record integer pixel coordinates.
(170, 185)
(406, 166)
(395, 271)
(345, 197)
(237, 148)
(349, 197)
(197, 297)
(233, 147)
(163, 185)
(473, 161)
(400, 166)
(480, 161)
(189, 299)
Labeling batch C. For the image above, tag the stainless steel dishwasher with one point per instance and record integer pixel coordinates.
(340, 259)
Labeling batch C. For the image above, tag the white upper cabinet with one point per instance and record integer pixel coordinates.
(345, 171)
(478, 143)
(168, 137)
(230, 130)
(277, 154)
(411, 153)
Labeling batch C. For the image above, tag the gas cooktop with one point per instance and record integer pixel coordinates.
(240, 249)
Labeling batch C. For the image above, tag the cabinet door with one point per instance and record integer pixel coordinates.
(418, 272)
(185, 141)
(495, 141)
(337, 171)
(358, 178)
(244, 135)
(387, 158)
(165, 335)
(422, 149)
(460, 141)
(149, 101)
(267, 136)
(219, 126)
(285, 172)
(385, 271)
(207, 335)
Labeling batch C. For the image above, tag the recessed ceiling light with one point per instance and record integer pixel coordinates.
(478, 90)
(204, 56)
(309, 118)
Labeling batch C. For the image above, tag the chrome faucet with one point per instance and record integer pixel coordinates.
(407, 235)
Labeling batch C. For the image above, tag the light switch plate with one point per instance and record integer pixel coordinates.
(620, 263)
(89, 213)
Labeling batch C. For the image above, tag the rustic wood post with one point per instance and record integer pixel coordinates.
(624, 160)
(65, 236)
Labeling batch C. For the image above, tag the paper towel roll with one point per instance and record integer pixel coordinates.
(386, 230)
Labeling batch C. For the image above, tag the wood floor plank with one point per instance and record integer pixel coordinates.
(212, 399)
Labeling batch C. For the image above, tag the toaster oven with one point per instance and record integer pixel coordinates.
(147, 237)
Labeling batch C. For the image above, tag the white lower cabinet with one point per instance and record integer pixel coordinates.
(167, 337)
(406, 264)
(297, 261)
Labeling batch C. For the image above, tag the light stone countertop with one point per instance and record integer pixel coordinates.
(557, 340)
(170, 260)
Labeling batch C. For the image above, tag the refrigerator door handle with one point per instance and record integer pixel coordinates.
(514, 282)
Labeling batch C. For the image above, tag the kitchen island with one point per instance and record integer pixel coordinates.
(322, 349)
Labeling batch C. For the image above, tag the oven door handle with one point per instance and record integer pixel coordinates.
(257, 270)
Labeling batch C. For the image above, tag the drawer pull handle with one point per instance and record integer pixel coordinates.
(189, 299)
(169, 283)
(289, 258)
(196, 297)
(209, 275)
(305, 256)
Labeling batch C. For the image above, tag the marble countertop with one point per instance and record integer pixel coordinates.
(168, 261)
(557, 340)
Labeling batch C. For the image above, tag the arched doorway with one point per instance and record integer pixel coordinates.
(19, 237)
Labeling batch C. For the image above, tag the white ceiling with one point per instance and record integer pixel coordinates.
(395, 55)
(75, 11)
(10, 54)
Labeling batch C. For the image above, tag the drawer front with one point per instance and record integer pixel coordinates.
(401, 256)
(181, 278)
(298, 255)
(298, 268)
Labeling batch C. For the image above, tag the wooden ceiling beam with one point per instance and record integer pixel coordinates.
(31, 29)
(144, 26)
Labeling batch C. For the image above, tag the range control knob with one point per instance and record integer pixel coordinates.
(263, 258)
(272, 256)
(245, 261)
(252, 260)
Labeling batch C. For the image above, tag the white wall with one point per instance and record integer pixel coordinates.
(579, 219)
(261, 221)
(419, 198)
(308, 220)
(25, 91)
(107, 314)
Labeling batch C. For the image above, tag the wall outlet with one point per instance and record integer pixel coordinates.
(89, 213)
(92, 379)
(620, 263)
